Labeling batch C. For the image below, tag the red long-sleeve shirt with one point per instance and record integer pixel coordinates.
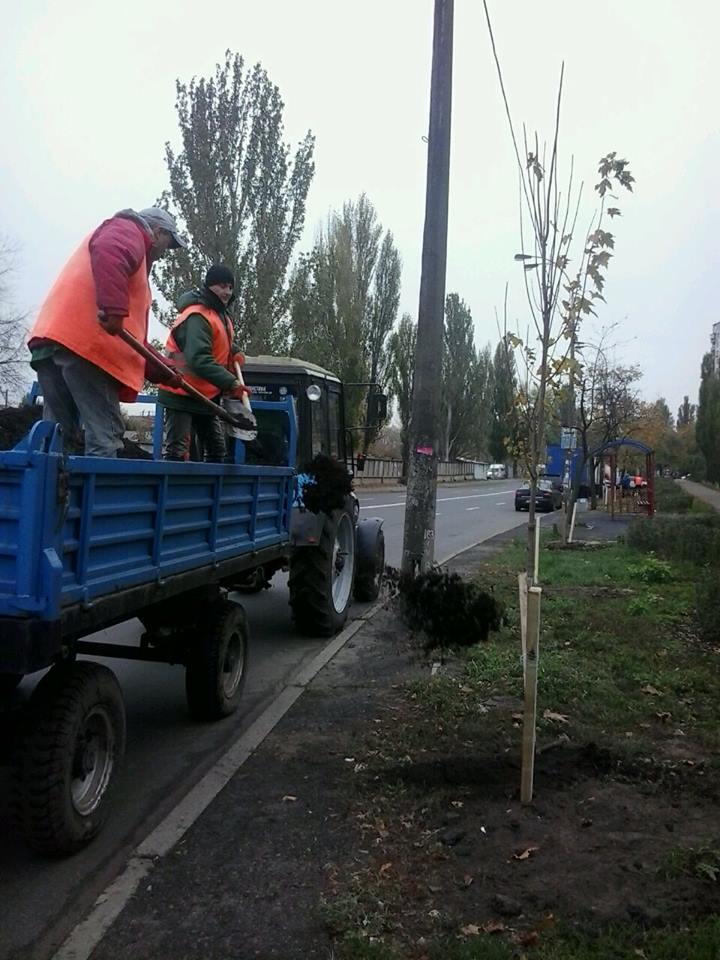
(117, 248)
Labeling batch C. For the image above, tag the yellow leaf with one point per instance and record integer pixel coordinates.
(526, 854)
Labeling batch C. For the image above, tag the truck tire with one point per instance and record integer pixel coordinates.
(66, 766)
(321, 577)
(216, 665)
(370, 568)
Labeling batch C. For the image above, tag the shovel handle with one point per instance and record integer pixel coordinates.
(155, 357)
(245, 398)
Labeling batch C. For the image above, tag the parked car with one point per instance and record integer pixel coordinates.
(548, 497)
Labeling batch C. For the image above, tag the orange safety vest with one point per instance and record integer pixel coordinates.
(221, 349)
(69, 317)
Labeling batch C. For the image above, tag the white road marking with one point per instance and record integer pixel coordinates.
(501, 504)
(401, 503)
(472, 508)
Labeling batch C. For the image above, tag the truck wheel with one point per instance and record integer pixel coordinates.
(9, 682)
(67, 764)
(370, 568)
(217, 663)
(321, 578)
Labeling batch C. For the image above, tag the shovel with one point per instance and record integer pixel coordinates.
(214, 408)
(240, 406)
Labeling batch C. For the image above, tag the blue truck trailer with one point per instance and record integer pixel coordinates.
(86, 543)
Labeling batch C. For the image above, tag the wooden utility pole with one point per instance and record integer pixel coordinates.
(419, 539)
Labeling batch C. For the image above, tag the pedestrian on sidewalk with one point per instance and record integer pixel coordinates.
(201, 345)
(83, 368)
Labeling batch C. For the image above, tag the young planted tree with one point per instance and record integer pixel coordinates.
(561, 291)
(240, 196)
(401, 369)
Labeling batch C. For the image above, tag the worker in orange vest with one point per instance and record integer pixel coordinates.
(201, 346)
(84, 370)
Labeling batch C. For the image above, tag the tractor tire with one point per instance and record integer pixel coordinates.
(368, 579)
(321, 578)
(216, 666)
(66, 765)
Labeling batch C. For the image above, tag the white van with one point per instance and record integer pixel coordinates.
(497, 471)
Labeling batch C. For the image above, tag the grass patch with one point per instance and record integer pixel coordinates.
(702, 862)
(617, 654)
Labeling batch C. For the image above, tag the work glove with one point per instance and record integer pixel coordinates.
(240, 390)
(155, 373)
(111, 323)
(239, 358)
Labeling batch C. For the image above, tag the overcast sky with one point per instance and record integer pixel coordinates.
(88, 103)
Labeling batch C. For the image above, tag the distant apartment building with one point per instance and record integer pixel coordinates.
(715, 346)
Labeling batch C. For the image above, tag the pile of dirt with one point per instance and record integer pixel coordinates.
(15, 423)
(324, 484)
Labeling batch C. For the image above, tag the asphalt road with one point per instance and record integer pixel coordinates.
(40, 900)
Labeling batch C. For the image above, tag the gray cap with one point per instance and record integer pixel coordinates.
(157, 217)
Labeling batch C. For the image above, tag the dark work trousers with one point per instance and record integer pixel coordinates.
(179, 429)
(77, 393)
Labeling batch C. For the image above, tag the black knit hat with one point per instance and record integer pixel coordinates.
(219, 274)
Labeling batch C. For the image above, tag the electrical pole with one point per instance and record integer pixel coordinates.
(419, 538)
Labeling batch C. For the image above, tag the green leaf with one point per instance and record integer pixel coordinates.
(613, 212)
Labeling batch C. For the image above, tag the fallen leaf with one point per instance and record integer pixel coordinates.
(385, 867)
(528, 939)
(289, 799)
(651, 690)
(468, 879)
(457, 803)
(640, 953)
(546, 922)
(526, 854)
(664, 716)
(493, 926)
(434, 914)
(471, 930)
(517, 716)
(557, 717)
(465, 689)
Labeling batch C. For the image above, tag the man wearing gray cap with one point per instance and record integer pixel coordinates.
(83, 368)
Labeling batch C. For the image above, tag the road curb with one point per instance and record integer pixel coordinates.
(87, 934)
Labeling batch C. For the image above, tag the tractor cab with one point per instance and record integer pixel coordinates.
(319, 401)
